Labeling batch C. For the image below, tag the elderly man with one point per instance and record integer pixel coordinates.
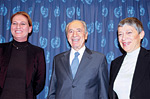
(79, 73)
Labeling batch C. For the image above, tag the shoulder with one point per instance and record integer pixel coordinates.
(98, 53)
(62, 54)
(94, 53)
(4, 44)
(35, 48)
(144, 51)
(117, 59)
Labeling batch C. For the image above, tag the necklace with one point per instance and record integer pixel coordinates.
(19, 47)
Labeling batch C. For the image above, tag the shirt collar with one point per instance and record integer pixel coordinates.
(135, 52)
(81, 51)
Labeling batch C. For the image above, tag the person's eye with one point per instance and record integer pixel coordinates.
(70, 31)
(23, 24)
(79, 31)
(129, 32)
(119, 34)
(14, 23)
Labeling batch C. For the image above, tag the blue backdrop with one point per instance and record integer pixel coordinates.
(51, 16)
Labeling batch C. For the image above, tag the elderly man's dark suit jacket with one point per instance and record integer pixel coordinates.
(90, 82)
(140, 88)
(35, 70)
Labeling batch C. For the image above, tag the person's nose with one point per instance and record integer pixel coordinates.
(124, 37)
(18, 26)
(75, 33)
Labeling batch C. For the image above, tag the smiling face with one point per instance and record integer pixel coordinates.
(20, 28)
(76, 35)
(129, 38)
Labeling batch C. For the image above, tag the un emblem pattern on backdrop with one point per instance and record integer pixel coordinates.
(50, 18)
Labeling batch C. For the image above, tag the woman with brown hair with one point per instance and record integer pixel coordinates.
(22, 65)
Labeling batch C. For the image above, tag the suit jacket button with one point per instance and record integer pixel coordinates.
(73, 86)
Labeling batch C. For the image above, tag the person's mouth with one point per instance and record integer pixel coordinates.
(75, 40)
(126, 43)
(18, 31)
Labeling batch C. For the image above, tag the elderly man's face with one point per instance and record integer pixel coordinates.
(76, 35)
(129, 38)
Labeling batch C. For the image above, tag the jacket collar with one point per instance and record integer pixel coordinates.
(84, 62)
(141, 67)
(142, 61)
(6, 58)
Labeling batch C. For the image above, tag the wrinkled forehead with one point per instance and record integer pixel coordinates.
(75, 25)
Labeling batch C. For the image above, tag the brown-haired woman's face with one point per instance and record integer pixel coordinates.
(20, 28)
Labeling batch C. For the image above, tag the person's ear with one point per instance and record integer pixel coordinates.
(86, 35)
(142, 35)
(30, 29)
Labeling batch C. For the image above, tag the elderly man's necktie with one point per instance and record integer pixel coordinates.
(75, 64)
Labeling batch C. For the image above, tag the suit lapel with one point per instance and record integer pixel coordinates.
(65, 60)
(5, 63)
(117, 67)
(7, 55)
(140, 69)
(30, 64)
(84, 62)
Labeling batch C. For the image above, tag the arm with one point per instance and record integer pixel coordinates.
(40, 75)
(53, 81)
(103, 80)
